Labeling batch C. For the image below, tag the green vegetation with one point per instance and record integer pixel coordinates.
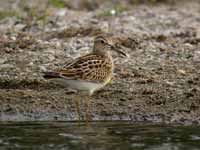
(4, 14)
(56, 3)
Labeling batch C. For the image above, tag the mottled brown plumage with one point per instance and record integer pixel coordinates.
(89, 72)
(91, 67)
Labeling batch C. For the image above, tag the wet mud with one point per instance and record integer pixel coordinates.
(158, 82)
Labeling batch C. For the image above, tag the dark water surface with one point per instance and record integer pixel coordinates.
(97, 136)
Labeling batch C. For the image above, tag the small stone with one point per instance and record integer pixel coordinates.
(182, 71)
(2, 60)
(113, 12)
(188, 45)
(42, 68)
(13, 38)
(6, 66)
(61, 12)
(31, 64)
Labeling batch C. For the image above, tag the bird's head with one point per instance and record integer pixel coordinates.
(104, 45)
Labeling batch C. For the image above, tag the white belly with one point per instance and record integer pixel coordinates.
(81, 85)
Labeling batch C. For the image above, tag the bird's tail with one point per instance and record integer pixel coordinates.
(51, 75)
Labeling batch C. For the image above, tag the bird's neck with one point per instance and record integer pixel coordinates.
(102, 52)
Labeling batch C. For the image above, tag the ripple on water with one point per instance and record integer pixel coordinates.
(99, 135)
(195, 137)
(71, 136)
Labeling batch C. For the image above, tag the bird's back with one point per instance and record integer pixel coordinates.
(91, 67)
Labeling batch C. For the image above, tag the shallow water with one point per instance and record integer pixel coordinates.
(97, 136)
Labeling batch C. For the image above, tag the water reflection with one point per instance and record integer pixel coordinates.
(98, 136)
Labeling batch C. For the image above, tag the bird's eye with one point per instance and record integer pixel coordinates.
(102, 41)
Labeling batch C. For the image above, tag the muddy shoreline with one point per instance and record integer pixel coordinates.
(159, 82)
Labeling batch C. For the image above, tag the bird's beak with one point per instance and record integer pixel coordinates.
(118, 50)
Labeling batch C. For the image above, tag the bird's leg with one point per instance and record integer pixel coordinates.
(77, 102)
(87, 108)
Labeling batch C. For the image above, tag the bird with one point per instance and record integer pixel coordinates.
(88, 73)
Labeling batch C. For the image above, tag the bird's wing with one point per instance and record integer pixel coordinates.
(90, 67)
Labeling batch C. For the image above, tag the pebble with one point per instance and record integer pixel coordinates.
(2, 60)
(6, 66)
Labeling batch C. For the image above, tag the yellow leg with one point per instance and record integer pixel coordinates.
(87, 109)
(77, 102)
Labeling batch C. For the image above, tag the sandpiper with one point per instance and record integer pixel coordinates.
(88, 73)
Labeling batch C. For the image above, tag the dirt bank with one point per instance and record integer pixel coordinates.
(159, 82)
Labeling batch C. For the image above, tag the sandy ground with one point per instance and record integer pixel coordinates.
(158, 82)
